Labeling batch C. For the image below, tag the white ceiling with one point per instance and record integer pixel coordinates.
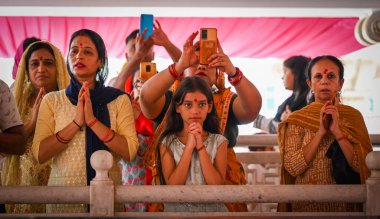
(190, 8)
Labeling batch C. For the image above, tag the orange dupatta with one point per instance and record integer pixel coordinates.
(352, 125)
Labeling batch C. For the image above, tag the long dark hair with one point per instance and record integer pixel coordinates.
(102, 73)
(298, 64)
(174, 120)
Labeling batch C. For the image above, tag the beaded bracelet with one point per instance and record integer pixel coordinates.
(60, 139)
(112, 137)
(80, 127)
(236, 78)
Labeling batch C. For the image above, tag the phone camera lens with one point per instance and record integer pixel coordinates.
(204, 34)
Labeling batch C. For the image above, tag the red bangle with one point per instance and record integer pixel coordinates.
(174, 72)
(107, 134)
(201, 148)
(109, 140)
(236, 78)
(341, 138)
(92, 123)
(60, 139)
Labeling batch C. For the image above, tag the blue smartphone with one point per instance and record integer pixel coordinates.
(146, 21)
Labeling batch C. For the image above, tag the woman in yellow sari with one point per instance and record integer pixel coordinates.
(41, 70)
(325, 142)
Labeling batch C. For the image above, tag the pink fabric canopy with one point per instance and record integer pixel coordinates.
(240, 37)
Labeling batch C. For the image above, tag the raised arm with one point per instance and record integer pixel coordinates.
(161, 39)
(247, 105)
(152, 96)
(142, 47)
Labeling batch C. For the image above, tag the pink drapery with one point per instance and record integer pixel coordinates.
(240, 37)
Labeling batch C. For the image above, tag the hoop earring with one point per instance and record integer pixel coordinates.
(339, 96)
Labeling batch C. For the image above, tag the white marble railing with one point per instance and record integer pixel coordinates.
(102, 194)
(260, 140)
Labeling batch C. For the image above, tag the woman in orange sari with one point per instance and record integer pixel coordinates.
(325, 142)
(232, 109)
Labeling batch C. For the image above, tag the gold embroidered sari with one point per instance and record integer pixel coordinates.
(24, 169)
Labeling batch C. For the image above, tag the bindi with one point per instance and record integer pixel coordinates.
(41, 58)
(81, 45)
(325, 71)
(195, 100)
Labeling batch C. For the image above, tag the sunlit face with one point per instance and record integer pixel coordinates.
(42, 70)
(84, 60)
(325, 82)
(288, 78)
(194, 108)
(203, 71)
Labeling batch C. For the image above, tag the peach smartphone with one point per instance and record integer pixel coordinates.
(147, 70)
(208, 44)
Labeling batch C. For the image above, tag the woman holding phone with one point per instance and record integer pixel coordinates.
(314, 154)
(232, 109)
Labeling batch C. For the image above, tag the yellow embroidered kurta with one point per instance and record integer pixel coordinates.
(69, 166)
(297, 131)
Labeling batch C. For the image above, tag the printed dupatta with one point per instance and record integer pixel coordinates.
(352, 125)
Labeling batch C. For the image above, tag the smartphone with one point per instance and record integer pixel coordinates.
(208, 44)
(146, 21)
(327, 118)
(147, 70)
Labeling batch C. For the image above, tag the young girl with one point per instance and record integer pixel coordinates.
(192, 152)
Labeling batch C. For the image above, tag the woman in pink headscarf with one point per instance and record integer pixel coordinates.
(20, 50)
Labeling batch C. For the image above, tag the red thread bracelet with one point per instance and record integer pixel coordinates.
(92, 123)
(174, 72)
(80, 127)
